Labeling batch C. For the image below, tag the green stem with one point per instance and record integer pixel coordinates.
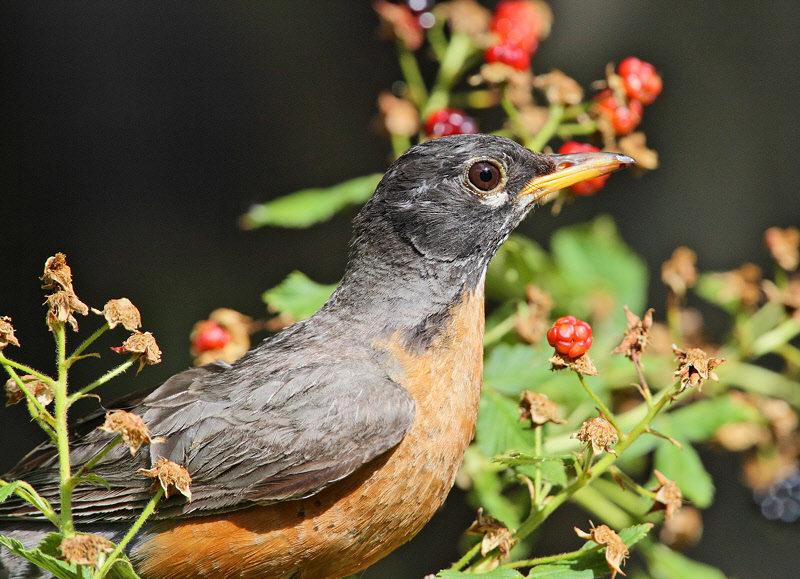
(549, 129)
(514, 116)
(38, 412)
(27, 369)
(458, 50)
(62, 404)
(776, 337)
(790, 354)
(567, 130)
(86, 343)
(674, 318)
(603, 408)
(501, 329)
(114, 556)
(417, 93)
(84, 470)
(468, 556)
(400, 144)
(595, 502)
(537, 473)
(103, 379)
(27, 493)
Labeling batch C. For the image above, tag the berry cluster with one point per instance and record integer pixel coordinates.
(781, 501)
(591, 186)
(448, 121)
(209, 335)
(634, 85)
(516, 25)
(570, 336)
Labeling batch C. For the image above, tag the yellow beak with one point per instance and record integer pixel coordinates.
(574, 168)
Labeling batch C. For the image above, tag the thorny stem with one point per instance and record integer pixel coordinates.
(549, 129)
(603, 408)
(619, 473)
(86, 343)
(84, 470)
(41, 415)
(62, 404)
(549, 559)
(103, 379)
(115, 554)
(29, 494)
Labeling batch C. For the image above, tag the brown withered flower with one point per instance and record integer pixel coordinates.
(57, 274)
(788, 296)
(143, 346)
(171, 476)
(679, 272)
(7, 333)
(237, 325)
(668, 496)
(598, 434)
(634, 145)
(121, 311)
(86, 549)
(400, 117)
(784, 245)
(130, 427)
(616, 551)
(694, 367)
(62, 306)
(495, 534)
(400, 22)
(558, 88)
(41, 391)
(742, 285)
(637, 336)
(582, 364)
(533, 326)
(683, 530)
(538, 408)
(467, 17)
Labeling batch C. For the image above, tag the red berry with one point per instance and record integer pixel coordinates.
(623, 118)
(209, 335)
(570, 336)
(591, 186)
(445, 122)
(517, 20)
(508, 52)
(640, 79)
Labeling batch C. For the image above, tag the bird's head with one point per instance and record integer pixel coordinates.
(458, 198)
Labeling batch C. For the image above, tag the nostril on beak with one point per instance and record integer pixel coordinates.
(564, 165)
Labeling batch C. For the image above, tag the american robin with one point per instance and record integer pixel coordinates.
(335, 441)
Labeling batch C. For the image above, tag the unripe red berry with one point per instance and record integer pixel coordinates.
(570, 336)
(640, 79)
(517, 20)
(209, 335)
(591, 186)
(508, 52)
(623, 118)
(448, 121)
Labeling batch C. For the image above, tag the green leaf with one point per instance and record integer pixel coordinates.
(664, 563)
(7, 489)
(559, 572)
(513, 368)
(493, 574)
(96, 480)
(297, 295)
(309, 206)
(697, 422)
(498, 429)
(122, 569)
(686, 469)
(518, 263)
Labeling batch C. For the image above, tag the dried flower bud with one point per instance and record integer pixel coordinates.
(130, 427)
(400, 117)
(616, 551)
(742, 285)
(121, 311)
(7, 333)
(171, 476)
(236, 326)
(782, 418)
(599, 434)
(634, 146)
(694, 366)
(143, 346)
(581, 364)
(61, 307)
(679, 272)
(401, 23)
(683, 530)
(533, 326)
(495, 534)
(57, 274)
(41, 391)
(668, 496)
(538, 408)
(558, 88)
(467, 17)
(784, 245)
(739, 436)
(637, 336)
(86, 549)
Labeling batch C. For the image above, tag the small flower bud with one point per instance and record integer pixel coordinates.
(143, 345)
(7, 333)
(598, 434)
(171, 476)
(86, 549)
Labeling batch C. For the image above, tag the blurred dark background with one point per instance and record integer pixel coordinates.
(136, 133)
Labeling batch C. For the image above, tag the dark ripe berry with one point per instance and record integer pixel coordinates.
(445, 122)
(517, 20)
(591, 186)
(209, 335)
(570, 336)
(624, 118)
(508, 52)
(640, 79)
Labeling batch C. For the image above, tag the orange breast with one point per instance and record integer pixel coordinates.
(360, 519)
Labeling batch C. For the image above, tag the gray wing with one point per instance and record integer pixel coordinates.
(275, 436)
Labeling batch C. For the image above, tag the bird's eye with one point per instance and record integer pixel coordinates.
(484, 175)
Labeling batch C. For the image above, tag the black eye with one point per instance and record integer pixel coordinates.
(484, 175)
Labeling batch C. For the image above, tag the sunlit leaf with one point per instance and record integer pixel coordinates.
(297, 295)
(686, 469)
(498, 429)
(664, 563)
(493, 574)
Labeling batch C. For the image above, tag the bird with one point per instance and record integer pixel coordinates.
(334, 441)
